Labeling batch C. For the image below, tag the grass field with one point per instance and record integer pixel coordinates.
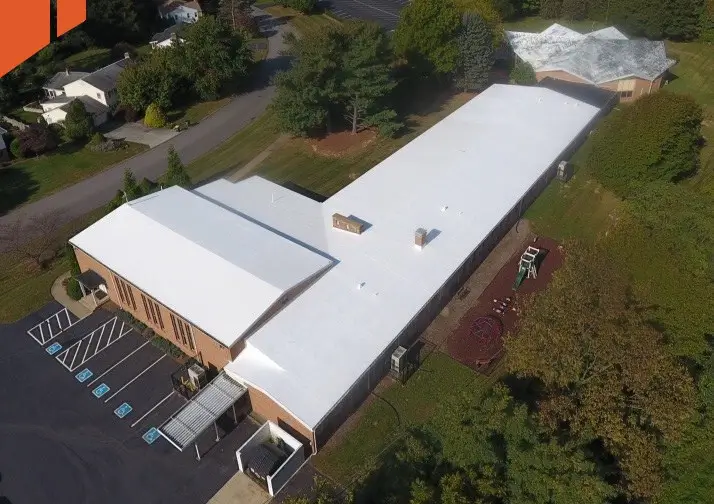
(391, 411)
(23, 116)
(302, 22)
(32, 179)
(89, 60)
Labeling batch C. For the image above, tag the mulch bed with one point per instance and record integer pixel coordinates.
(342, 143)
(476, 342)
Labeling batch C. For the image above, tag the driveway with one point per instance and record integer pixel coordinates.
(96, 191)
(138, 133)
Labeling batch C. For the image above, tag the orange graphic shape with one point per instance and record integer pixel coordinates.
(24, 30)
(70, 13)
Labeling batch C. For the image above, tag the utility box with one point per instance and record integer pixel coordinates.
(197, 375)
(565, 171)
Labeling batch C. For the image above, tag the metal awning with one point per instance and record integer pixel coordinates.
(90, 279)
(183, 427)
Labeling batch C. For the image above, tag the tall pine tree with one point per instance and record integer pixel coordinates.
(176, 174)
(475, 54)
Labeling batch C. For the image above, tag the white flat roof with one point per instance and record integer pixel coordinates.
(216, 269)
(457, 180)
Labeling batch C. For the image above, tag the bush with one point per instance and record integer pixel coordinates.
(167, 347)
(16, 149)
(73, 264)
(97, 139)
(78, 125)
(154, 117)
(550, 9)
(655, 139)
(522, 73)
(74, 291)
(304, 6)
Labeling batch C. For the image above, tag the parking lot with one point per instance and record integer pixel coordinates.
(81, 400)
(384, 12)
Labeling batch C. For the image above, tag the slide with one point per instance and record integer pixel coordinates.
(522, 272)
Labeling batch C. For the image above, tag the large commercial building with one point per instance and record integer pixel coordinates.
(604, 58)
(303, 302)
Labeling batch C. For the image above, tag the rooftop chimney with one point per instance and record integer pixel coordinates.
(347, 224)
(420, 237)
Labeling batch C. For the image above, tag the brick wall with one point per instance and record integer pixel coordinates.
(268, 409)
(641, 86)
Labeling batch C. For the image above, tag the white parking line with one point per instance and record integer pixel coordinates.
(135, 378)
(162, 401)
(114, 334)
(115, 365)
(43, 338)
(377, 9)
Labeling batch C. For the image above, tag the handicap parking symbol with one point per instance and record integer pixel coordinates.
(83, 375)
(53, 348)
(123, 410)
(100, 390)
(151, 435)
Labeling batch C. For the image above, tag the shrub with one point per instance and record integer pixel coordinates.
(655, 139)
(74, 291)
(304, 6)
(73, 264)
(167, 347)
(36, 139)
(97, 139)
(16, 149)
(78, 125)
(550, 9)
(522, 73)
(154, 117)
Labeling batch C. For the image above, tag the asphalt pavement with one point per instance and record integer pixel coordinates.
(383, 12)
(96, 191)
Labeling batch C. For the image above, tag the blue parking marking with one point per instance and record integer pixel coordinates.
(151, 435)
(53, 348)
(123, 410)
(83, 375)
(100, 390)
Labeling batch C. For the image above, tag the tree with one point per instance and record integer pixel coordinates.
(422, 493)
(78, 125)
(154, 117)
(112, 21)
(657, 138)
(176, 174)
(367, 77)
(130, 187)
(523, 74)
(159, 78)
(683, 19)
(323, 493)
(476, 55)
(34, 239)
(8, 91)
(36, 139)
(488, 11)
(214, 56)
(574, 9)
(426, 35)
(550, 9)
(237, 15)
(604, 372)
(706, 23)
(304, 6)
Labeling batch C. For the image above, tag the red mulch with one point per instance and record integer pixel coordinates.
(478, 352)
(342, 143)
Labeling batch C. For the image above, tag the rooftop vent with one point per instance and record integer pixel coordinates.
(348, 224)
(420, 237)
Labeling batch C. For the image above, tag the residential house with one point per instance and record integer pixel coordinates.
(96, 90)
(4, 149)
(168, 37)
(604, 58)
(181, 11)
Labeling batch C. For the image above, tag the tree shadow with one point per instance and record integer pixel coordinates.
(16, 187)
(524, 390)
(3, 499)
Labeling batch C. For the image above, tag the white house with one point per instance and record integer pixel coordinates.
(97, 91)
(180, 11)
(168, 37)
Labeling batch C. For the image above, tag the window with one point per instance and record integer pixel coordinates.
(146, 307)
(625, 94)
(126, 294)
(182, 331)
(117, 282)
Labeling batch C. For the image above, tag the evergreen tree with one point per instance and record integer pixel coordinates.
(130, 187)
(550, 9)
(574, 9)
(475, 54)
(523, 74)
(176, 174)
(367, 78)
(78, 125)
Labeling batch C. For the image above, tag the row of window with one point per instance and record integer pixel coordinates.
(182, 329)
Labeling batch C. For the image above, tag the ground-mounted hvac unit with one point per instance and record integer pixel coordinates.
(398, 362)
(197, 375)
(565, 171)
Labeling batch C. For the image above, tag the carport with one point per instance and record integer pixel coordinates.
(185, 426)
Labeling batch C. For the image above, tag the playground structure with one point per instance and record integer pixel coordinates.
(528, 265)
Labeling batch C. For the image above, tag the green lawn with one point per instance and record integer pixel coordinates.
(25, 117)
(32, 179)
(392, 410)
(89, 60)
(195, 112)
(302, 22)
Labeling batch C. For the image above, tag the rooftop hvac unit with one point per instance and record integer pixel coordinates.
(197, 375)
(565, 171)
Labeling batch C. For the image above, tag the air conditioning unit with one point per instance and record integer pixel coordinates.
(565, 171)
(399, 358)
(197, 375)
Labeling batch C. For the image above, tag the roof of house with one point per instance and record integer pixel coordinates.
(90, 105)
(457, 180)
(3, 145)
(172, 5)
(597, 57)
(61, 79)
(218, 270)
(106, 78)
(167, 33)
(601, 98)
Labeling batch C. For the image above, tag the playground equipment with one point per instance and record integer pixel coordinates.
(527, 266)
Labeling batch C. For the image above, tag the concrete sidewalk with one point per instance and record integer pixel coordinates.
(59, 293)
(240, 489)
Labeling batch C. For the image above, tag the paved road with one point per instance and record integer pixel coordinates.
(96, 191)
(384, 12)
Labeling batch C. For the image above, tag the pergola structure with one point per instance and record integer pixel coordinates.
(89, 282)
